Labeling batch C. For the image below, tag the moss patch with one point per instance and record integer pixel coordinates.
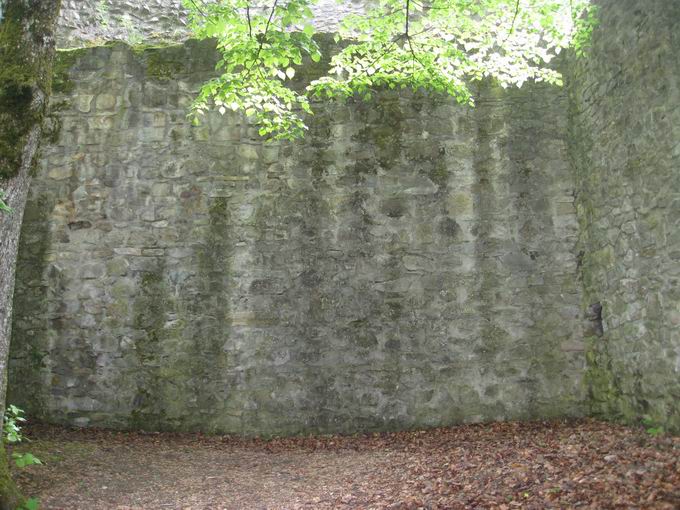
(150, 310)
(16, 121)
(160, 68)
(17, 79)
(64, 61)
(161, 62)
(23, 70)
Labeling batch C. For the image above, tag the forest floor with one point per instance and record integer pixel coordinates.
(584, 464)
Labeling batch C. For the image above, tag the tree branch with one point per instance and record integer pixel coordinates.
(408, 16)
(200, 11)
(512, 26)
(408, 37)
(250, 25)
(263, 38)
(514, 18)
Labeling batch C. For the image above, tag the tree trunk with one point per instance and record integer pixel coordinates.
(26, 56)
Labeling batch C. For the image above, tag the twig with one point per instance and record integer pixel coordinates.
(201, 11)
(514, 18)
(262, 39)
(408, 37)
(250, 26)
(512, 26)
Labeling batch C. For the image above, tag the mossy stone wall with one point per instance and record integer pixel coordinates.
(411, 263)
(626, 151)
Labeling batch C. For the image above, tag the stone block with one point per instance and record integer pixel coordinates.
(84, 103)
(105, 102)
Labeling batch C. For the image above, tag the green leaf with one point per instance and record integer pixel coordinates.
(448, 45)
(31, 504)
(3, 206)
(25, 459)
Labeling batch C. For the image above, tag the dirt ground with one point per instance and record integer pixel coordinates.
(584, 464)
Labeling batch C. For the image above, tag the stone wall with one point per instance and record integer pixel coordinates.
(626, 149)
(94, 22)
(410, 263)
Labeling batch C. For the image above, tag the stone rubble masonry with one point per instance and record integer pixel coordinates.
(94, 22)
(410, 263)
(626, 153)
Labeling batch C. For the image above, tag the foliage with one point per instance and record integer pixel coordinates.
(258, 47)
(12, 435)
(441, 46)
(583, 29)
(30, 504)
(4, 208)
(11, 428)
(652, 427)
(25, 459)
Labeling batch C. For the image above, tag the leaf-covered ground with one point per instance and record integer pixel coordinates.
(585, 464)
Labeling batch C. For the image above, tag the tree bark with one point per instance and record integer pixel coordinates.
(26, 56)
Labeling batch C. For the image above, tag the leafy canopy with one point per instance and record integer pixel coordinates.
(438, 46)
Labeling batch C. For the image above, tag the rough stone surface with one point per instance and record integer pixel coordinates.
(92, 22)
(98, 21)
(626, 151)
(410, 263)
